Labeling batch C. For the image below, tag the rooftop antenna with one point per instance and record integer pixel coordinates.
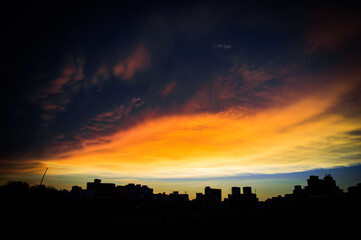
(41, 182)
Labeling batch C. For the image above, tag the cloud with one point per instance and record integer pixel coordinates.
(216, 95)
(48, 106)
(356, 132)
(238, 88)
(55, 103)
(295, 132)
(120, 112)
(168, 89)
(71, 73)
(56, 95)
(47, 117)
(20, 167)
(225, 143)
(234, 123)
(223, 46)
(96, 130)
(253, 78)
(137, 61)
(100, 75)
(332, 31)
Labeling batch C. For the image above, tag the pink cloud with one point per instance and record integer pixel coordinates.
(233, 89)
(98, 127)
(253, 78)
(216, 94)
(55, 103)
(120, 112)
(111, 116)
(71, 73)
(101, 74)
(47, 117)
(168, 89)
(137, 61)
(55, 95)
(49, 105)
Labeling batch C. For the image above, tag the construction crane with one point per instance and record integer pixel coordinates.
(41, 182)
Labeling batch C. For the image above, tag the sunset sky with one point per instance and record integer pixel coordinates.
(180, 95)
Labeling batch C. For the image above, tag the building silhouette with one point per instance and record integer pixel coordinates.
(236, 191)
(134, 192)
(176, 198)
(211, 198)
(354, 191)
(320, 210)
(319, 187)
(130, 191)
(247, 200)
(99, 189)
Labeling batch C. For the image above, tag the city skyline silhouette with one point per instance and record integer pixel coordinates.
(315, 186)
(104, 209)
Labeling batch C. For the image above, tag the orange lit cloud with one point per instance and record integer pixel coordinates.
(137, 61)
(299, 134)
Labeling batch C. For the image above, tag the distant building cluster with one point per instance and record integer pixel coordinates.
(316, 190)
(97, 189)
(212, 197)
(316, 187)
(247, 200)
(106, 209)
(318, 193)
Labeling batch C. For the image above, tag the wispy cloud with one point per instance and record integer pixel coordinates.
(240, 87)
(168, 89)
(70, 74)
(223, 46)
(137, 61)
(100, 75)
(96, 130)
(19, 167)
(55, 95)
(226, 141)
